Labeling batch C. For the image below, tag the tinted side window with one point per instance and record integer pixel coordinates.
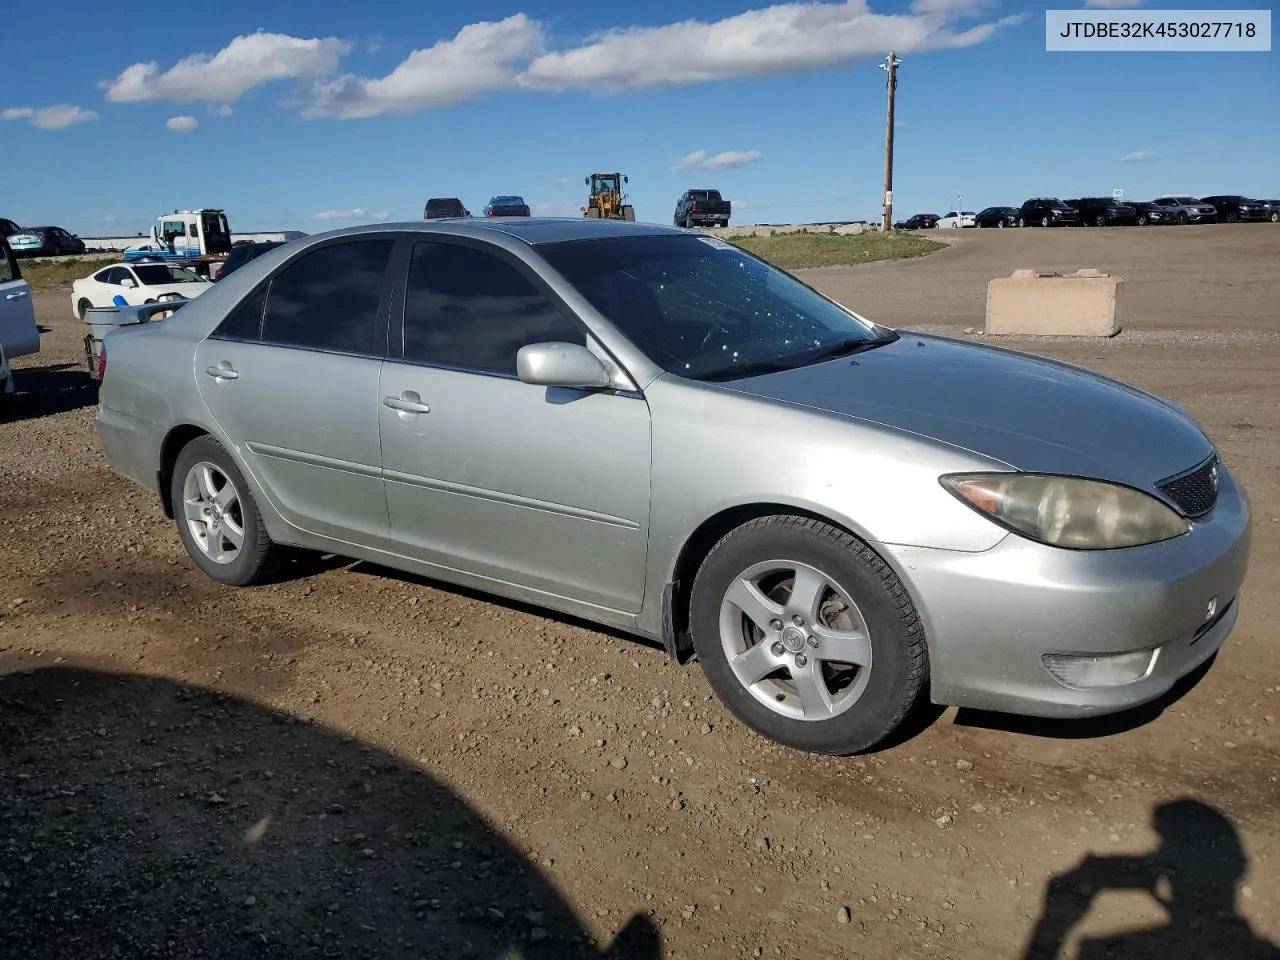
(468, 308)
(245, 321)
(328, 299)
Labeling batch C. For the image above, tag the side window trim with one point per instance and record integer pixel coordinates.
(385, 299)
(395, 350)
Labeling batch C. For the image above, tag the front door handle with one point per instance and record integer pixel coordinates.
(222, 371)
(15, 296)
(406, 405)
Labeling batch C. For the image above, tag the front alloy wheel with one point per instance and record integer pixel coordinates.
(795, 640)
(807, 635)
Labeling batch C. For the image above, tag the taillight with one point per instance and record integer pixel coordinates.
(694, 206)
(102, 361)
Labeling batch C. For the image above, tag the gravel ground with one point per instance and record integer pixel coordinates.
(352, 762)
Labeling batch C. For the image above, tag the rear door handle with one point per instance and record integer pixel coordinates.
(406, 406)
(15, 296)
(221, 372)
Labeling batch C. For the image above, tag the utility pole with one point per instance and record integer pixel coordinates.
(890, 65)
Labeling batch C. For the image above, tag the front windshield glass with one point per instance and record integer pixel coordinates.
(160, 274)
(701, 308)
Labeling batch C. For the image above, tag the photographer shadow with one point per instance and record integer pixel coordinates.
(1193, 874)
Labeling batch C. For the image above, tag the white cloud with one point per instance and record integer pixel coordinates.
(226, 110)
(482, 58)
(183, 124)
(1112, 4)
(244, 63)
(380, 215)
(728, 160)
(1139, 156)
(560, 181)
(355, 213)
(491, 56)
(773, 41)
(57, 117)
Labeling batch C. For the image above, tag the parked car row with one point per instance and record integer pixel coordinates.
(1104, 212)
(46, 241)
(502, 205)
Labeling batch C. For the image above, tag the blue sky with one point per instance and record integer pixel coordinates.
(363, 111)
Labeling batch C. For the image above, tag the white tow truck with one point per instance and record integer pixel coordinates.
(197, 239)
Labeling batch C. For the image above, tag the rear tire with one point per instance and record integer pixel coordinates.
(629, 213)
(217, 517)
(82, 308)
(843, 675)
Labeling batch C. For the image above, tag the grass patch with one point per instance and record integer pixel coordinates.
(47, 273)
(796, 251)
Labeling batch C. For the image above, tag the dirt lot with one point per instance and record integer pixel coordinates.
(356, 763)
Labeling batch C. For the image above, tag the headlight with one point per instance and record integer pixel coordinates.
(1067, 511)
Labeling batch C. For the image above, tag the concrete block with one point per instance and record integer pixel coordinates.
(1086, 303)
(851, 230)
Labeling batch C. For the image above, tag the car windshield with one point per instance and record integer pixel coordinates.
(161, 274)
(702, 308)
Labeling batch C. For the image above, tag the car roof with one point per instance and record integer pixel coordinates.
(531, 230)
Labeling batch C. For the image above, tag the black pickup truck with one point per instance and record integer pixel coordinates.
(702, 208)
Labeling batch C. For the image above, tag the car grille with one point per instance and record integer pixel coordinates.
(1196, 491)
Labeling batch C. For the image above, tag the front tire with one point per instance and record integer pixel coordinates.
(807, 635)
(217, 517)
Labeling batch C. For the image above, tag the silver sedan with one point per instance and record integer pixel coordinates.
(654, 430)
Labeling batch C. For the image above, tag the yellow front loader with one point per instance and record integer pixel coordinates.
(606, 200)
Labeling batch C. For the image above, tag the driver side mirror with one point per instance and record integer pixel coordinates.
(562, 365)
(128, 283)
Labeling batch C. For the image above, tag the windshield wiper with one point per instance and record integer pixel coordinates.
(748, 369)
(847, 348)
(841, 348)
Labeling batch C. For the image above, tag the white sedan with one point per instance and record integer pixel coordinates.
(956, 219)
(133, 284)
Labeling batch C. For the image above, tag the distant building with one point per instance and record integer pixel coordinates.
(120, 243)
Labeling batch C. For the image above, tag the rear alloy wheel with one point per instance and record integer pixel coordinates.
(217, 517)
(807, 635)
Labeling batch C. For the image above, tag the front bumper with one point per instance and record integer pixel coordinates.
(991, 617)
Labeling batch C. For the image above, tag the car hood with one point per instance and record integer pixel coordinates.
(1036, 415)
